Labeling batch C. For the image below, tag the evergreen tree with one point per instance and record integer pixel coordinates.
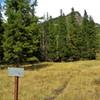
(33, 5)
(44, 38)
(53, 40)
(74, 31)
(85, 36)
(89, 37)
(20, 36)
(92, 39)
(56, 38)
(68, 38)
(1, 34)
(62, 37)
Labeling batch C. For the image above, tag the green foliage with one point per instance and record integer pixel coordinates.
(68, 38)
(1, 34)
(21, 31)
(65, 38)
(89, 37)
(32, 60)
(74, 36)
(62, 37)
(53, 38)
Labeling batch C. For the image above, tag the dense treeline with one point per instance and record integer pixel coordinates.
(65, 38)
(69, 37)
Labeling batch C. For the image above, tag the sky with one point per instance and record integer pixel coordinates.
(53, 7)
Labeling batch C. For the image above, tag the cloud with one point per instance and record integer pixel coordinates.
(53, 7)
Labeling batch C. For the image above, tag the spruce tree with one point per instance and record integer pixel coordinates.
(92, 39)
(44, 38)
(1, 34)
(85, 36)
(89, 37)
(57, 38)
(20, 36)
(53, 40)
(73, 31)
(62, 37)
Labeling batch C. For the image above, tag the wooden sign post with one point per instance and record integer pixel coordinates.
(16, 72)
(16, 88)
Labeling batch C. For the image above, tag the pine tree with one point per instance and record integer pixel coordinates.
(57, 38)
(62, 37)
(52, 40)
(74, 31)
(33, 5)
(1, 34)
(89, 39)
(44, 38)
(92, 39)
(85, 36)
(68, 38)
(20, 36)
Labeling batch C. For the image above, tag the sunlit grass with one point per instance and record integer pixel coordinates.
(55, 81)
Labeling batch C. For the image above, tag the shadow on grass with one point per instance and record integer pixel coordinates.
(3, 67)
(37, 66)
(29, 67)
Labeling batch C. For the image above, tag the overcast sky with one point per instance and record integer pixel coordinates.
(53, 7)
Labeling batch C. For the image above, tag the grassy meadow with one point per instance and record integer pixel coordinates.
(55, 81)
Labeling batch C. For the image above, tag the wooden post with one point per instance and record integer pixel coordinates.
(16, 87)
(16, 72)
(16, 83)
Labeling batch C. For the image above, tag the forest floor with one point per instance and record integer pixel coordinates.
(78, 80)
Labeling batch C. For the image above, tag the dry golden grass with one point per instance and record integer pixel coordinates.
(55, 81)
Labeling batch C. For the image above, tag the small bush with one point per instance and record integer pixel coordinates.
(32, 60)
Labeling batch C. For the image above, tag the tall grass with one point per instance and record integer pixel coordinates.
(55, 81)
